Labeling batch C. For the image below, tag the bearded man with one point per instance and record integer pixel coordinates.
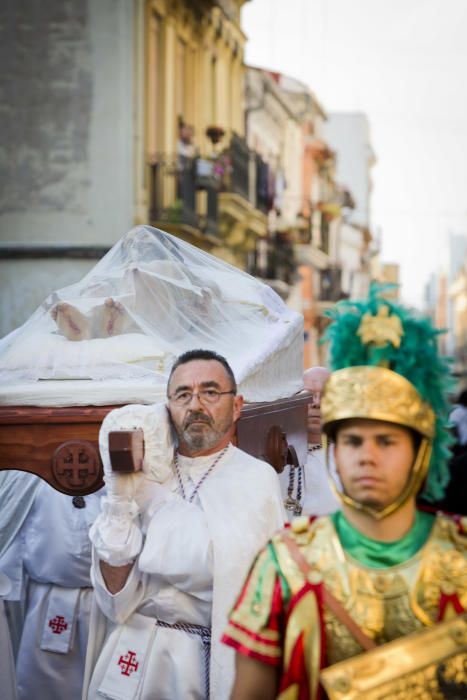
(174, 541)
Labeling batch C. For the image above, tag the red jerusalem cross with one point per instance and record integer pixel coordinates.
(58, 624)
(128, 664)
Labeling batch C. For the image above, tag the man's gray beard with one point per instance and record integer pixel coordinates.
(198, 442)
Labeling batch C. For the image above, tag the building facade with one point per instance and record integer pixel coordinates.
(198, 177)
(67, 145)
(300, 255)
(119, 113)
(348, 134)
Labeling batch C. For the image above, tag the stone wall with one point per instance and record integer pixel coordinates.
(66, 151)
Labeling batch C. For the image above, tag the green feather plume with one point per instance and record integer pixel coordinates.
(417, 359)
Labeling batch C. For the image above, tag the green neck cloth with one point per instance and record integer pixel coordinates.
(380, 555)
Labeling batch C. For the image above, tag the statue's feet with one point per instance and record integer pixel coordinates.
(70, 322)
(114, 318)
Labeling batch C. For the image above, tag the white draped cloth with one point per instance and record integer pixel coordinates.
(48, 563)
(191, 567)
(149, 299)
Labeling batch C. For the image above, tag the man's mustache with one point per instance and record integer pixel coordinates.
(198, 417)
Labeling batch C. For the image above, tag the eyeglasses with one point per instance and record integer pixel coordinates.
(209, 396)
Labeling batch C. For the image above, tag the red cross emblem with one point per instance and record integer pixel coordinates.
(128, 663)
(58, 624)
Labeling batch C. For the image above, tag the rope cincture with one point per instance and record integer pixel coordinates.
(295, 504)
(205, 635)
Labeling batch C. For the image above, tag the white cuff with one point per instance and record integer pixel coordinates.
(115, 533)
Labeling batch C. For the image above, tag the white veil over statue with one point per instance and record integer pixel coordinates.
(150, 298)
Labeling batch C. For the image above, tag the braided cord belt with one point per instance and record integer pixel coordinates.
(205, 635)
(294, 504)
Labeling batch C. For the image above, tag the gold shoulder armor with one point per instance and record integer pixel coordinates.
(462, 528)
(453, 529)
(303, 529)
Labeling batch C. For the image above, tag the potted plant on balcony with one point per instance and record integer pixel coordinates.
(215, 134)
(175, 211)
(222, 167)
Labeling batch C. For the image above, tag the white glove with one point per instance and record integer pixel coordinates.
(158, 448)
(116, 534)
(158, 442)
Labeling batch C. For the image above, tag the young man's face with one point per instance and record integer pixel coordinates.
(374, 460)
(203, 427)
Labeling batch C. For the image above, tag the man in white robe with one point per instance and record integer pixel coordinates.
(7, 665)
(306, 490)
(16, 496)
(46, 555)
(173, 542)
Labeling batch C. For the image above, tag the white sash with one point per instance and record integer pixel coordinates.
(126, 668)
(5, 584)
(57, 633)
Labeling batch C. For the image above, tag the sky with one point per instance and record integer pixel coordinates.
(404, 64)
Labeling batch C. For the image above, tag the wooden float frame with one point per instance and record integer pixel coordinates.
(60, 444)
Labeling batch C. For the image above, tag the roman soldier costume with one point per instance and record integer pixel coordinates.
(321, 593)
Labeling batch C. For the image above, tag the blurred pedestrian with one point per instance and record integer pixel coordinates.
(458, 418)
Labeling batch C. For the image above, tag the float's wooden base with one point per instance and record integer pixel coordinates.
(61, 444)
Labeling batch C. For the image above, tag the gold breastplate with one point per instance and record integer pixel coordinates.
(386, 603)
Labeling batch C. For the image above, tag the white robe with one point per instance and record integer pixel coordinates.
(316, 496)
(193, 563)
(49, 562)
(7, 666)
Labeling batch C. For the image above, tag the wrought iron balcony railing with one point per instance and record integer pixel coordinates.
(263, 185)
(175, 184)
(240, 166)
(274, 259)
(330, 284)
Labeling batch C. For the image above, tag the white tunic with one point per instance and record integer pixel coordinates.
(7, 667)
(311, 489)
(191, 568)
(318, 499)
(49, 564)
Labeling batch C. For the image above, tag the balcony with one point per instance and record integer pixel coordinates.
(330, 285)
(240, 165)
(274, 260)
(309, 246)
(324, 231)
(263, 195)
(221, 201)
(201, 7)
(183, 196)
(243, 200)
